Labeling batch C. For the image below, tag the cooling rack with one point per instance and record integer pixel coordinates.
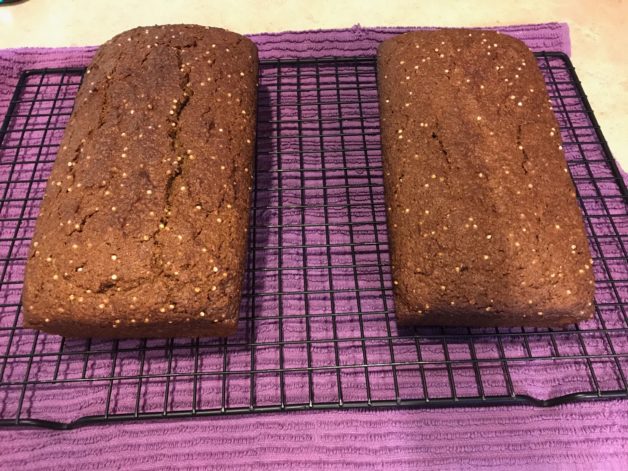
(317, 326)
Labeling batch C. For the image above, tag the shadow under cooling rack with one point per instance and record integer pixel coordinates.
(317, 329)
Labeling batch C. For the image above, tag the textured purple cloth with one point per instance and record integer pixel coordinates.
(585, 436)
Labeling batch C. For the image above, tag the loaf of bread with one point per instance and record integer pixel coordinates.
(484, 225)
(143, 227)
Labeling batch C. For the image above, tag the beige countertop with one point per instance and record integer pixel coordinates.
(599, 40)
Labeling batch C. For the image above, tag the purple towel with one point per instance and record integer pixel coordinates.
(585, 435)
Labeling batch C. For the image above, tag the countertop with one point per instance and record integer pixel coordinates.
(597, 28)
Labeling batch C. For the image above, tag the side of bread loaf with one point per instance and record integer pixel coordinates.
(143, 227)
(483, 220)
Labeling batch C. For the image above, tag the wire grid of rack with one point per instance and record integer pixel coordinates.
(317, 326)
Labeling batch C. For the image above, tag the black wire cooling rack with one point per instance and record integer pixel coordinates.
(317, 324)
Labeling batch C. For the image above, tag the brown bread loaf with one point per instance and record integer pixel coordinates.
(143, 227)
(483, 220)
